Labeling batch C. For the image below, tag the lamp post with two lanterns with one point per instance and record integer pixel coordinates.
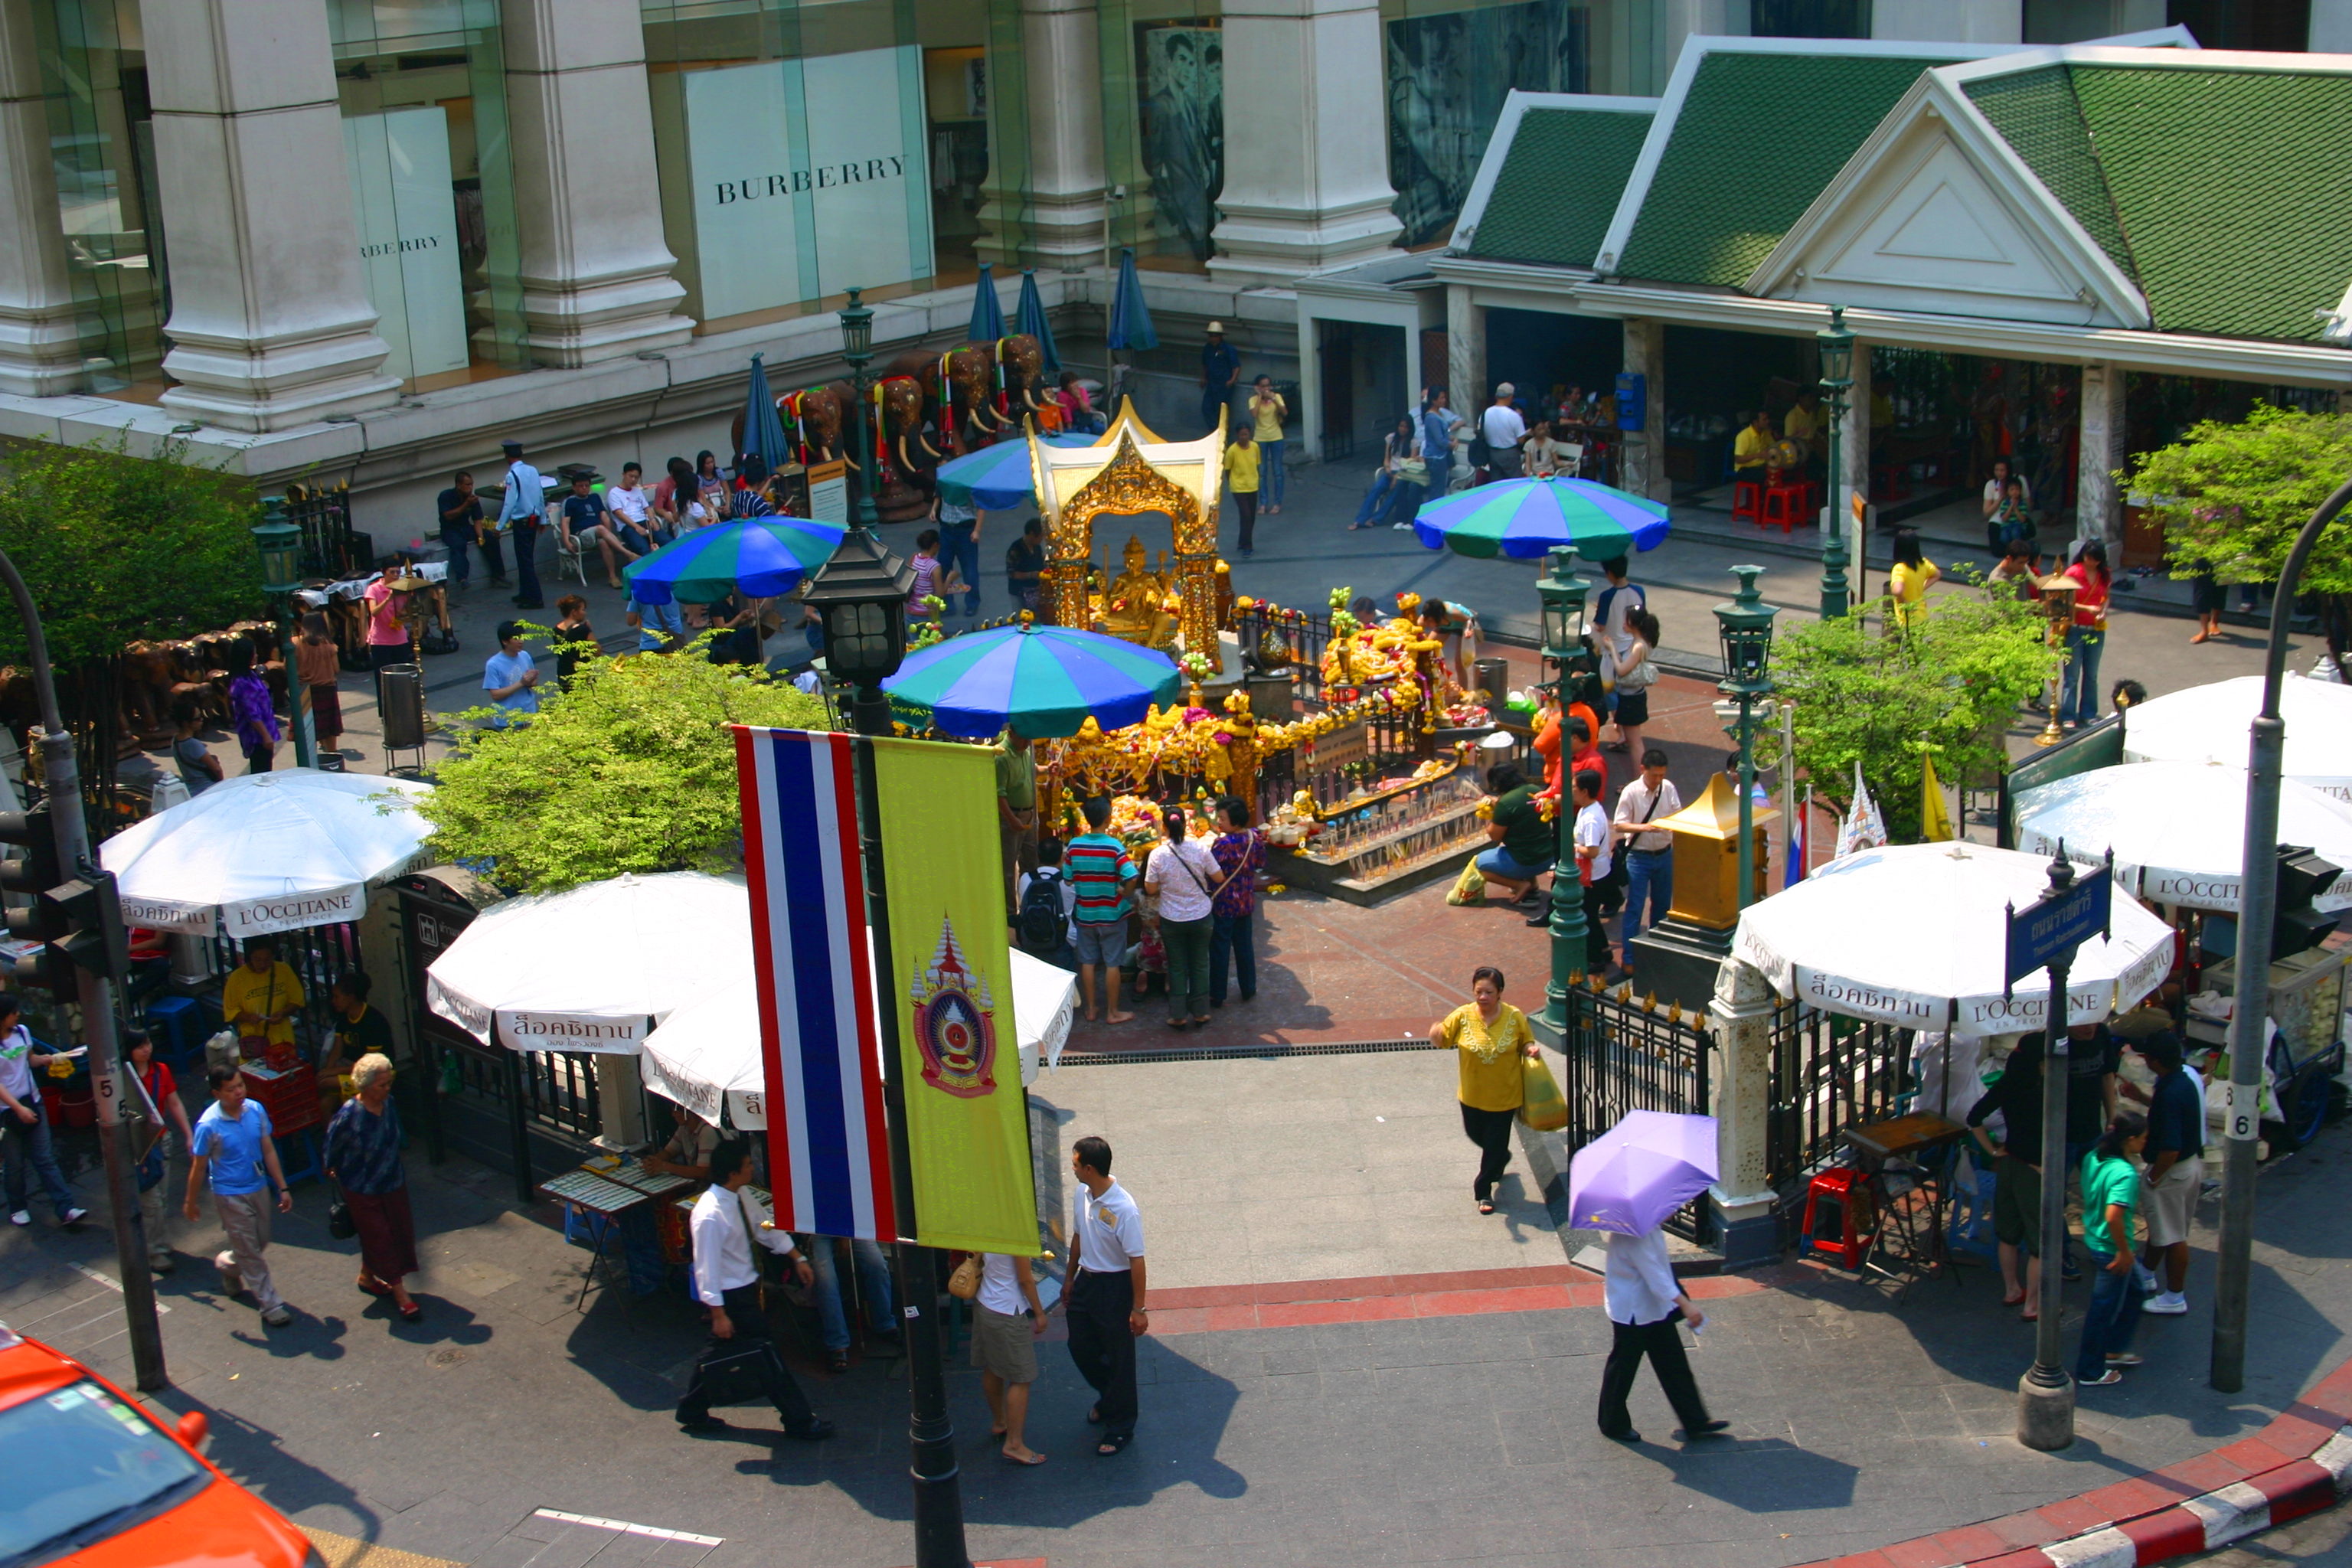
(1745, 623)
(1837, 380)
(858, 348)
(1562, 594)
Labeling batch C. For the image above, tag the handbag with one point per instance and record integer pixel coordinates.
(739, 1371)
(1541, 1105)
(340, 1224)
(1414, 471)
(964, 1283)
(150, 1167)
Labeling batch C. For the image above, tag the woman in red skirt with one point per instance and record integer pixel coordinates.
(364, 1159)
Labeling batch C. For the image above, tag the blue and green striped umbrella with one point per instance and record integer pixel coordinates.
(1043, 680)
(998, 477)
(759, 556)
(1526, 520)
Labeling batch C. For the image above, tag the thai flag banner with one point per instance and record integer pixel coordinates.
(828, 1146)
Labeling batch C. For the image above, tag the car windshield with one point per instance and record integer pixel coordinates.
(79, 1465)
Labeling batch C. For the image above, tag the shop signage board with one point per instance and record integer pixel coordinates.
(407, 217)
(809, 177)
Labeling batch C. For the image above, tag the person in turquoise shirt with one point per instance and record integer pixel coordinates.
(2110, 1196)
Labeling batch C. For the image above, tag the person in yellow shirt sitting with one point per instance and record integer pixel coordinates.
(1753, 448)
(260, 998)
(1241, 480)
(1807, 421)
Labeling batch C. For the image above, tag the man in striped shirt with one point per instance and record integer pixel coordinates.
(1099, 873)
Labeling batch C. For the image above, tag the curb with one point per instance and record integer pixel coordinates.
(2298, 1465)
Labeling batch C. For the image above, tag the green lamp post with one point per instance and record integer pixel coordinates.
(1745, 623)
(1837, 381)
(279, 543)
(858, 348)
(1562, 594)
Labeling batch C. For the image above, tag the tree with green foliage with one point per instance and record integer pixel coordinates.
(2233, 497)
(631, 769)
(1953, 682)
(118, 547)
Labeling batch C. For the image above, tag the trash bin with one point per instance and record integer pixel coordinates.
(1493, 676)
(400, 702)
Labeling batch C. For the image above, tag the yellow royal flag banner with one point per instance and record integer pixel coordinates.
(1935, 821)
(950, 981)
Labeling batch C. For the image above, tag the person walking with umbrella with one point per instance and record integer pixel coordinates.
(1488, 1035)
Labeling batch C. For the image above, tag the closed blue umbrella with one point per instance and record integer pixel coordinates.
(987, 315)
(1030, 318)
(764, 432)
(1130, 317)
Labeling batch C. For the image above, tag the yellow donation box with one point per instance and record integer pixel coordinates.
(1706, 856)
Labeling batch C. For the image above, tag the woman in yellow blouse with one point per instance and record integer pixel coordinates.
(1488, 1035)
(1907, 583)
(1266, 408)
(260, 997)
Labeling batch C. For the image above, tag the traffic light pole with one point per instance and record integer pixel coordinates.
(62, 779)
(2257, 915)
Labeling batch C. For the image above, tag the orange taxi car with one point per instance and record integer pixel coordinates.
(90, 1480)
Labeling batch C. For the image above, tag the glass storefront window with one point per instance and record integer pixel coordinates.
(1451, 63)
(807, 146)
(1164, 103)
(1808, 19)
(103, 150)
(423, 88)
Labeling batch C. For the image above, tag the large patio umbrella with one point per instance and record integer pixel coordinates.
(763, 430)
(987, 314)
(998, 477)
(1916, 935)
(1030, 318)
(2209, 724)
(590, 968)
(266, 852)
(761, 556)
(1130, 317)
(1527, 518)
(708, 1050)
(2177, 829)
(1044, 680)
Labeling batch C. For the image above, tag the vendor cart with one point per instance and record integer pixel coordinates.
(2305, 1057)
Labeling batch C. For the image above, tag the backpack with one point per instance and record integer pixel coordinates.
(1042, 922)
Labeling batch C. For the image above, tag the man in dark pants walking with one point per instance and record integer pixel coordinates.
(1644, 1305)
(525, 511)
(725, 1222)
(1105, 1295)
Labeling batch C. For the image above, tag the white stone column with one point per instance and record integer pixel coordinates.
(1306, 183)
(1740, 1020)
(1062, 210)
(597, 281)
(1466, 352)
(41, 351)
(1854, 454)
(2098, 500)
(1646, 450)
(270, 323)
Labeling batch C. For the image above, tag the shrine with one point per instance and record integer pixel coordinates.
(1131, 472)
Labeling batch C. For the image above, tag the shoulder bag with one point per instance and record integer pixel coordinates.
(964, 1283)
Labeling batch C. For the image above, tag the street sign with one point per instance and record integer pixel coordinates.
(2057, 923)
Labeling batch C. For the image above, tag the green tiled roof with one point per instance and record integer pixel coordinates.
(2221, 193)
(1759, 137)
(1559, 185)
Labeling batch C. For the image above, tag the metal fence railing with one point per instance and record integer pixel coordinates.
(1829, 1072)
(1625, 1053)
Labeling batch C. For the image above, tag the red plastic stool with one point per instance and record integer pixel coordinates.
(1784, 505)
(1839, 1221)
(1747, 501)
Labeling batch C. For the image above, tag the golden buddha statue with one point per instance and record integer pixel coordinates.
(1135, 608)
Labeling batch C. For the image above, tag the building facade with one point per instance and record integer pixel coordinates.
(367, 239)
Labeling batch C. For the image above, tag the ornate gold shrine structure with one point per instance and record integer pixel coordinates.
(1128, 472)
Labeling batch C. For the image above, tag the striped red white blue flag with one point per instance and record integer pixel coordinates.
(828, 1148)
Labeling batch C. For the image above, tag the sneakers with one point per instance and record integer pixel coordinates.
(2145, 1277)
(73, 1216)
(232, 1283)
(20, 1216)
(278, 1317)
(2169, 1304)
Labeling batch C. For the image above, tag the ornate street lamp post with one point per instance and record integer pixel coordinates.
(1837, 380)
(1746, 624)
(861, 597)
(1563, 594)
(858, 348)
(280, 546)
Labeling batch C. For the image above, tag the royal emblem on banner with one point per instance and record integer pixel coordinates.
(954, 1023)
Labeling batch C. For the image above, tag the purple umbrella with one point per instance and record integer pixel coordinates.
(1632, 1176)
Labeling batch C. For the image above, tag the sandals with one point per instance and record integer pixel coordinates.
(838, 1363)
(410, 1313)
(1013, 1458)
(1486, 1205)
(2016, 1301)
(1094, 1414)
(1113, 1443)
(2110, 1376)
(2126, 1358)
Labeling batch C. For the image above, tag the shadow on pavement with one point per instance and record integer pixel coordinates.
(1770, 1475)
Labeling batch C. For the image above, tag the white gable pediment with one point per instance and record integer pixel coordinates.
(1920, 221)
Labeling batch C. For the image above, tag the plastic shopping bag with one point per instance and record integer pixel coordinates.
(1542, 1106)
(1468, 888)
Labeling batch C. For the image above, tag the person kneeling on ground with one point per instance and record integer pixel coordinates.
(1524, 845)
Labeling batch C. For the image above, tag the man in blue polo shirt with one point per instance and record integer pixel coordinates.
(234, 1151)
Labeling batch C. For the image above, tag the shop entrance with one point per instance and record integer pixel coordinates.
(1364, 390)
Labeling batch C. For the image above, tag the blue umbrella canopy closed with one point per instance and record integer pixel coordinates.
(1130, 317)
(763, 431)
(1030, 318)
(987, 314)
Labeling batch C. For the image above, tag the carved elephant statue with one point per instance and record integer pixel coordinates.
(150, 669)
(960, 392)
(1022, 358)
(909, 461)
(816, 418)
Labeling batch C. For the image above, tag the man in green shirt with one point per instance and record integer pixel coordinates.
(1524, 845)
(2110, 1198)
(1016, 810)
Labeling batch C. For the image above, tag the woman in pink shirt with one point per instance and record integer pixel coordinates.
(2087, 637)
(387, 634)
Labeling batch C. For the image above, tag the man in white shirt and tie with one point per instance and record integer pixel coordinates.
(1645, 1303)
(725, 1222)
(1105, 1300)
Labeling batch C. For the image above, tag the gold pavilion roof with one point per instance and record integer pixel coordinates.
(1128, 456)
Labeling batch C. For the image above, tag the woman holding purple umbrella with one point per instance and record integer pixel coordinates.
(1645, 1302)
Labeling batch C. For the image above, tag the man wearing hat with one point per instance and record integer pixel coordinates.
(1221, 369)
(525, 510)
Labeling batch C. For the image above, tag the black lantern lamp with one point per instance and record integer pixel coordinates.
(1837, 354)
(1746, 624)
(858, 347)
(861, 594)
(1836, 348)
(1562, 594)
